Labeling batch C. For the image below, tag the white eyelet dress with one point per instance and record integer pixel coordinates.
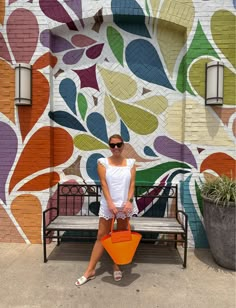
(118, 181)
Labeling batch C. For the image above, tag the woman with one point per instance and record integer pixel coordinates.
(117, 178)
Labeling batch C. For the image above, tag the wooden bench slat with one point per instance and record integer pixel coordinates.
(137, 224)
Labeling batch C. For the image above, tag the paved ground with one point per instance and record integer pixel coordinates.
(155, 279)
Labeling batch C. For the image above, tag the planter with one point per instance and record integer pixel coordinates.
(221, 232)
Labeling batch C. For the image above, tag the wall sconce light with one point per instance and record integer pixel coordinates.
(214, 83)
(23, 84)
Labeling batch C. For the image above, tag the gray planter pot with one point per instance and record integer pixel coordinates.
(221, 232)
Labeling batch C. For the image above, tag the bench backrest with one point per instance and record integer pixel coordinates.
(83, 199)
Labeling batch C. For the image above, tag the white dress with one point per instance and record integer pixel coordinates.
(118, 181)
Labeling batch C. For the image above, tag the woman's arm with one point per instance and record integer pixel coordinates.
(129, 204)
(102, 176)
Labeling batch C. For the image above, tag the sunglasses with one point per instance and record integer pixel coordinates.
(113, 145)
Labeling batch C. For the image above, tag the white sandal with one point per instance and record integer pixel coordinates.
(82, 280)
(117, 275)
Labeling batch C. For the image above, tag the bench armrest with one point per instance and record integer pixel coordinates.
(49, 209)
(184, 222)
(44, 216)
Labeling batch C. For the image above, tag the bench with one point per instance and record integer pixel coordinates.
(73, 215)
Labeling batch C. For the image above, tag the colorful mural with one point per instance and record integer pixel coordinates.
(137, 70)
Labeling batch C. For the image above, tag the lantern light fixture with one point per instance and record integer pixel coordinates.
(23, 84)
(214, 83)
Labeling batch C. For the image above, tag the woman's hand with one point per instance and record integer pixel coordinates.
(128, 207)
(112, 208)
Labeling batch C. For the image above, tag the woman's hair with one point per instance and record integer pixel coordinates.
(117, 136)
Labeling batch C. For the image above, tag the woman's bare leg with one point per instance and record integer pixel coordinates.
(121, 225)
(104, 228)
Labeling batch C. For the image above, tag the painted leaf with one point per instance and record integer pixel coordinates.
(172, 149)
(82, 105)
(144, 61)
(94, 51)
(150, 175)
(73, 56)
(212, 132)
(137, 119)
(200, 239)
(193, 52)
(221, 163)
(22, 35)
(54, 42)
(81, 40)
(54, 10)
(109, 111)
(116, 43)
(27, 211)
(124, 17)
(7, 88)
(91, 167)
(9, 234)
(37, 154)
(76, 6)
(88, 143)
(156, 104)
(97, 126)
(225, 22)
(120, 85)
(67, 90)
(4, 53)
(45, 60)
(8, 150)
(124, 132)
(41, 182)
(66, 119)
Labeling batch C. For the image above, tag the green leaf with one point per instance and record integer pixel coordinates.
(116, 43)
(82, 105)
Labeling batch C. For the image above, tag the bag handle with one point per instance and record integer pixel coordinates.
(112, 225)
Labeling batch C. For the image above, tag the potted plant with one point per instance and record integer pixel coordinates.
(219, 212)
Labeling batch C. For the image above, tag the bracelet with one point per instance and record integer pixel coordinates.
(131, 200)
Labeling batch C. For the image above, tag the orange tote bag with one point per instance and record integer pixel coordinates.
(121, 245)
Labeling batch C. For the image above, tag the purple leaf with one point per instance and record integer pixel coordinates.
(54, 42)
(170, 148)
(54, 10)
(8, 150)
(73, 56)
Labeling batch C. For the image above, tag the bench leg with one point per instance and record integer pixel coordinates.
(175, 241)
(44, 249)
(185, 253)
(58, 238)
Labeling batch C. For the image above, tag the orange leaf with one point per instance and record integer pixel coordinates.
(7, 90)
(28, 213)
(42, 182)
(45, 60)
(8, 231)
(221, 163)
(2, 11)
(48, 147)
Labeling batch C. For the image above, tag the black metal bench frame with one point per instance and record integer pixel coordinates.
(70, 219)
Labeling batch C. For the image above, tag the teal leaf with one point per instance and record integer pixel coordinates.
(65, 119)
(129, 16)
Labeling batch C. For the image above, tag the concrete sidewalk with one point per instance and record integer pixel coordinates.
(155, 279)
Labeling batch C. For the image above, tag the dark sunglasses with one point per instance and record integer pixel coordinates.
(113, 145)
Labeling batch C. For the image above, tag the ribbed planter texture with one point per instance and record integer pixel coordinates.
(221, 232)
